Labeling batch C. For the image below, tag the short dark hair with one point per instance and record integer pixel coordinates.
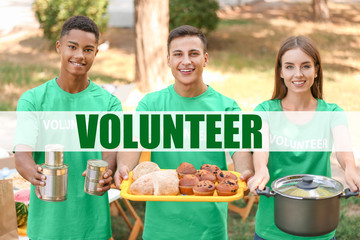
(186, 30)
(307, 46)
(82, 23)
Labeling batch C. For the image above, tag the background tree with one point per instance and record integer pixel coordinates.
(321, 11)
(51, 14)
(151, 33)
(199, 13)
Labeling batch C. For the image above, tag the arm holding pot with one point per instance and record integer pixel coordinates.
(345, 156)
(260, 160)
(261, 177)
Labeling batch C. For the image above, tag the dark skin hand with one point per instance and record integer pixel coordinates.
(32, 172)
(110, 158)
(29, 170)
(105, 182)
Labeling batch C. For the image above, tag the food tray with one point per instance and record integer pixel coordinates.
(125, 193)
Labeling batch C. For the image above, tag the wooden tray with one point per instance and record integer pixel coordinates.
(125, 193)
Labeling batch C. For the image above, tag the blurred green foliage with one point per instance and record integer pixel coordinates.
(199, 13)
(51, 14)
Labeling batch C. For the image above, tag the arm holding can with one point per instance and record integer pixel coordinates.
(27, 167)
(98, 177)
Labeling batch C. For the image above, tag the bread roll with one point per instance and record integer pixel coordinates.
(144, 168)
(143, 186)
(156, 183)
(166, 182)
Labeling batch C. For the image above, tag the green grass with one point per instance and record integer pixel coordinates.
(35, 74)
(22, 77)
(118, 225)
(349, 224)
(24, 74)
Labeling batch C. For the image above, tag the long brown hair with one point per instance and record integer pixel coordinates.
(306, 45)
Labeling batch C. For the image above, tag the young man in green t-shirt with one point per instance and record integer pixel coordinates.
(81, 216)
(187, 56)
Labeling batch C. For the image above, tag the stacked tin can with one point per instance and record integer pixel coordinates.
(94, 173)
(56, 172)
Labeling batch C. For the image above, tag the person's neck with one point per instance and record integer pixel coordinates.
(72, 84)
(299, 102)
(192, 90)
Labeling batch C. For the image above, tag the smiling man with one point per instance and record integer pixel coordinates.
(187, 57)
(81, 216)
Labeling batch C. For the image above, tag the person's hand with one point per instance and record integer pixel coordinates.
(259, 180)
(105, 182)
(37, 179)
(352, 178)
(122, 173)
(246, 175)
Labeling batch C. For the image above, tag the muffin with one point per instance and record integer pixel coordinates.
(227, 187)
(205, 175)
(185, 169)
(211, 168)
(222, 175)
(187, 183)
(204, 188)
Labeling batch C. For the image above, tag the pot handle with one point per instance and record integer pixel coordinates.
(348, 193)
(266, 192)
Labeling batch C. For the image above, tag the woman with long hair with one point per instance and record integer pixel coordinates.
(298, 88)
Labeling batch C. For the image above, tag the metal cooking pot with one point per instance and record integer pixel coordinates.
(306, 205)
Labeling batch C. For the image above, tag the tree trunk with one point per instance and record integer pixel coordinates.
(151, 33)
(321, 11)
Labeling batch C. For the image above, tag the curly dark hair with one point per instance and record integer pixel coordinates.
(82, 23)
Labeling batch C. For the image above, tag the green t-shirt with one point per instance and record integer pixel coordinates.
(281, 164)
(81, 216)
(186, 220)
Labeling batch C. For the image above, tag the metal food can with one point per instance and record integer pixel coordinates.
(94, 173)
(56, 183)
(54, 155)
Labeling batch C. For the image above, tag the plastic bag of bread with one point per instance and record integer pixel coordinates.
(156, 183)
(144, 168)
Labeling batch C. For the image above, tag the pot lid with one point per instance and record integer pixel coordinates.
(306, 186)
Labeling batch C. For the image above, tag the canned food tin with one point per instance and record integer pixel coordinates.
(94, 173)
(91, 187)
(54, 155)
(55, 189)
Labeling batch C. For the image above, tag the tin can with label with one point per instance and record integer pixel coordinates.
(55, 189)
(54, 155)
(94, 173)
